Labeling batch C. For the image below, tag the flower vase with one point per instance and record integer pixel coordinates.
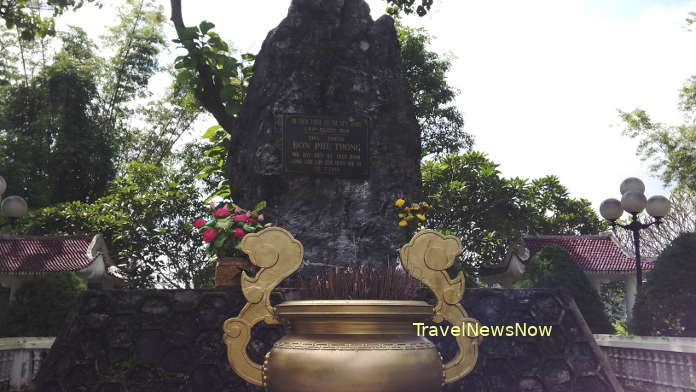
(228, 271)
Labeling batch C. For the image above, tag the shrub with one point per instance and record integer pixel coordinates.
(552, 267)
(666, 304)
(41, 305)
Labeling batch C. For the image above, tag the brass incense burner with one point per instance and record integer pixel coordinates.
(350, 345)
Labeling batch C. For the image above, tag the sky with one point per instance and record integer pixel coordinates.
(540, 81)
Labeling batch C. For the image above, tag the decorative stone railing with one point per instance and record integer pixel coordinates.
(19, 361)
(652, 364)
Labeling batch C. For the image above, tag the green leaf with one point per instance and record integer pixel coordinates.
(220, 241)
(206, 26)
(228, 93)
(184, 62)
(211, 132)
(224, 224)
(260, 206)
(189, 33)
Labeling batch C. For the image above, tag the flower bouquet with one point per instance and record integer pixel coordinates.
(410, 215)
(224, 232)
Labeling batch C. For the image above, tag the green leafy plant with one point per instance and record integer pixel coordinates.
(552, 267)
(41, 305)
(208, 66)
(220, 141)
(665, 304)
(24, 15)
(229, 224)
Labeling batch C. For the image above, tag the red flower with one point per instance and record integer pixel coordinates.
(210, 235)
(238, 232)
(223, 212)
(198, 223)
(241, 217)
(251, 220)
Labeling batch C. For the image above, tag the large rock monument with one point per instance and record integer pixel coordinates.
(328, 135)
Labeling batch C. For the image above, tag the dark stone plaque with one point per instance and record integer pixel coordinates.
(325, 146)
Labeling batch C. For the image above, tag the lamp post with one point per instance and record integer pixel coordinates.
(13, 207)
(633, 201)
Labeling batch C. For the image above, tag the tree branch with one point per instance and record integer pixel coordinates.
(209, 97)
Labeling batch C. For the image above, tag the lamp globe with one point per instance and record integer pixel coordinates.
(632, 184)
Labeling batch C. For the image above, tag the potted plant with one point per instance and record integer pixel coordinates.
(223, 232)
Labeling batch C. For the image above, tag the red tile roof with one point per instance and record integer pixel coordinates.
(591, 252)
(20, 255)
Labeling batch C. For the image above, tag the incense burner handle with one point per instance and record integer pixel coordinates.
(427, 257)
(279, 255)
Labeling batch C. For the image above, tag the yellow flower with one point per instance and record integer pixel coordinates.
(402, 215)
(403, 223)
(409, 217)
(415, 207)
(425, 204)
(400, 203)
(407, 209)
(421, 216)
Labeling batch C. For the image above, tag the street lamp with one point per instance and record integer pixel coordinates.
(633, 201)
(13, 207)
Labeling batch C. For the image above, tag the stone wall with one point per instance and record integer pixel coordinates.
(170, 341)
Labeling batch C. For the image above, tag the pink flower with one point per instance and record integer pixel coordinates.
(211, 205)
(223, 212)
(261, 217)
(210, 235)
(237, 209)
(198, 223)
(251, 220)
(241, 217)
(238, 232)
(268, 225)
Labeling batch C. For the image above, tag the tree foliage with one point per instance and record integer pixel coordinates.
(77, 110)
(56, 118)
(25, 15)
(137, 40)
(441, 123)
(421, 8)
(146, 219)
(470, 199)
(218, 78)
(665, 304)
(553, 267)
(670, 149)
(42, 305)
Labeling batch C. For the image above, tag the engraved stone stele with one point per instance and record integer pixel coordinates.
(329, 76)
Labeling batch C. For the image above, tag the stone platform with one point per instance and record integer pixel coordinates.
(170, 341)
